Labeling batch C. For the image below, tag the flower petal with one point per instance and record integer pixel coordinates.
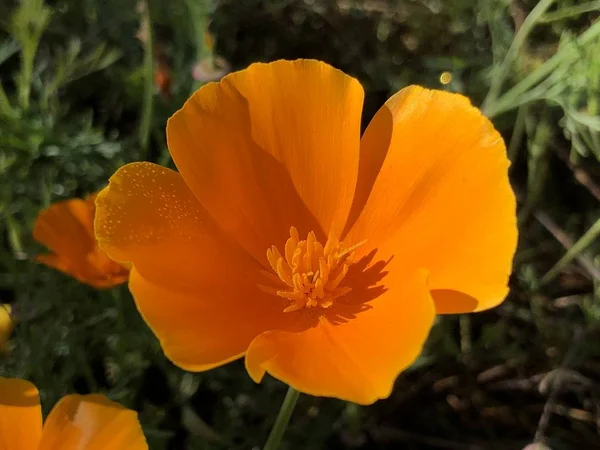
(67, 228)
(210, 327)
(272, 146)
(149, 217)
(20, 415)
(349, 354)
(92, 422)
(196, 289)
(433, 188)
(111, 275)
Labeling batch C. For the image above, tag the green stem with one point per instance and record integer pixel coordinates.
(30, 19)
(587, 239)
(147, 105)
(595, 147)
(198, 13)
(283, 418)
(540, 133)
(518, 41)
(571, 11)
(517, 136)
(466, 339)
(24, 80)
(118, 299)
(5, 106)
(14, 236)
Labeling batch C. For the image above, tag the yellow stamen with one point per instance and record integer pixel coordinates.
(290, 248)
(273, 256)
(284, 272)
(312, 273)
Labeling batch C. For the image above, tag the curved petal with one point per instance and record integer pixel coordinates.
(55, 262)
(67, 229)
(20, 415)
(111, 273)
(272, 146)
(435, 191)
(196, 289)
(354, 354)
(210, 327)
(91, 422)
(148, 216)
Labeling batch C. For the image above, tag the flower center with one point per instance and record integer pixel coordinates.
(312, 273)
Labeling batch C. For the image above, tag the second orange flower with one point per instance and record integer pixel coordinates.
(67, 228)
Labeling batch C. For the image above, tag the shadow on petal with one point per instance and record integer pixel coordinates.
(364, 277)
(448, 301)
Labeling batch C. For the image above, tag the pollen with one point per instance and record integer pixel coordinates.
(312, 273)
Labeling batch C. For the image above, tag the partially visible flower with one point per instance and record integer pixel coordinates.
(319, 255)
(67, 229)
(6, 323)
(76, 422)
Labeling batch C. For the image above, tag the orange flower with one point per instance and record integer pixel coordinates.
(286, 237)
(77, 421)
(67, 228)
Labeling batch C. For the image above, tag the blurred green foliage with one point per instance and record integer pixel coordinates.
(79, 97)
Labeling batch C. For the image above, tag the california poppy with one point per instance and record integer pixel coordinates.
(6, 323)
(285, 237)
(90, 422)
(67, 229)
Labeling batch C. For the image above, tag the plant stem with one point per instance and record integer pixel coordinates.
(570, 11)
(513, 51)
(517, 136)
(29, 20)
(585, 260)
(148, 99)
(5, 106)
(466, 342)
(118, 299)
(283, 418)
(198, 13)
(587, 239)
